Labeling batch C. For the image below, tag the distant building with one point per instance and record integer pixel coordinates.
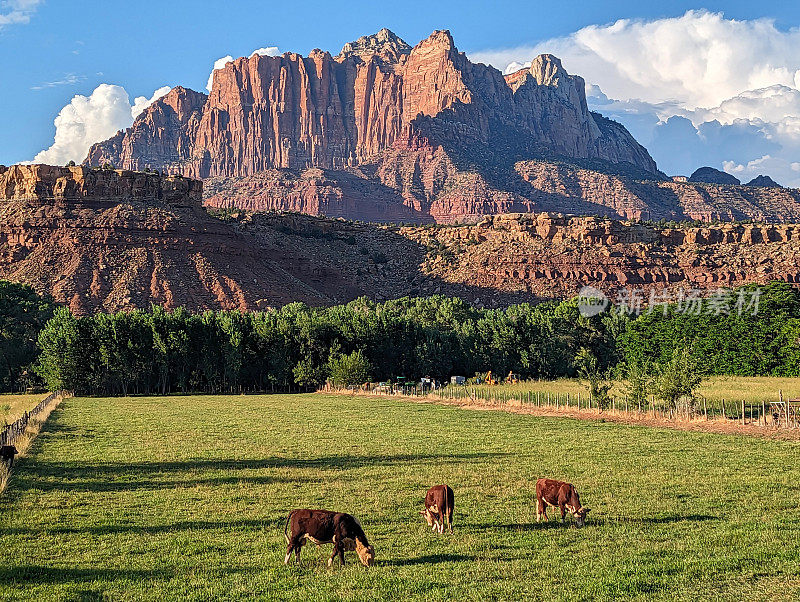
(680, 179)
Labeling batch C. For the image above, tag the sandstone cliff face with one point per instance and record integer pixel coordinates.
(534, 256)
(104, 240)
(163, 136)
(378, 93)
(45, 183)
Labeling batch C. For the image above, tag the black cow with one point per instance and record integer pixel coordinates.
(7, 453)
(324, 526)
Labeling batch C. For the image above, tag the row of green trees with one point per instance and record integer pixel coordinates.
(298, 347)
(750, 331)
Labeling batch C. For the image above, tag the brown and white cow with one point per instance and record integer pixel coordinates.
(561, 495)
(324, 526)
(439, 504)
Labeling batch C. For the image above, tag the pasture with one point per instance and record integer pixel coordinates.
(13, 406)
(174, 498)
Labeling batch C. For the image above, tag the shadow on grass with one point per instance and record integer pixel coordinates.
(79, 476)
(429, 559)
(131, 483)
(33, 574)
(324, 463)
(553, 524)
(661, 520)
(228, 526)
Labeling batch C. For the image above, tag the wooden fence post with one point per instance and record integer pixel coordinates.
(743, 411)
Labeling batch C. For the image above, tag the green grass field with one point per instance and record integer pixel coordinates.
(13, 406)
(185, 498)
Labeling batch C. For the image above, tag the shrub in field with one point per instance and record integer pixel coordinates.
(597, 380)
(677, 379)
(637, 381)
(352, 369)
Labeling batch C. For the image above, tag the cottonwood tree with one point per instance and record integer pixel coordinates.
(677, 379)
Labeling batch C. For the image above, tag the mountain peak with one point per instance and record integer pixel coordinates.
(385, 42)
(546, 69)
(764, 182)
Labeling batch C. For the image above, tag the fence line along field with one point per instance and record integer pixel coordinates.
(186, 498)
(752, 389)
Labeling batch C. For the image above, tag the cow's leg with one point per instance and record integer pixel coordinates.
(450, 519)
(563, 508)
(296, 543)
(541, 510)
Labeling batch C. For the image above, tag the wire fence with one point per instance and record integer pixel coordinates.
(778, 414)
(12, 432)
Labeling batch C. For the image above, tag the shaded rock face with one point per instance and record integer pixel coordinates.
(163, 136)
(97, 252)
(709, 175)
(337, 112)
(409, 185)
(764, 182)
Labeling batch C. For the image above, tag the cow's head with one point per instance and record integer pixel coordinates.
(366, 553)
(430, 514)
(580, 516)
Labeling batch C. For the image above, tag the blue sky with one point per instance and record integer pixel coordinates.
(53, 50)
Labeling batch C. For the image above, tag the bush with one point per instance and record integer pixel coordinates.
(353, 369)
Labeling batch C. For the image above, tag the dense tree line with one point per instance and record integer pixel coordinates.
(297, 347)
(23, 314)
(750, 331)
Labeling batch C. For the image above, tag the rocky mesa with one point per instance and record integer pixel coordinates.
(119, 240)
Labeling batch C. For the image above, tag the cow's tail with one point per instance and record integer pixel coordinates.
(286, 527)
(447, 507)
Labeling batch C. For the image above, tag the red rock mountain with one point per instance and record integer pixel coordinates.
(418, 122)
(386, 132)
(117, 240)
(295, 112)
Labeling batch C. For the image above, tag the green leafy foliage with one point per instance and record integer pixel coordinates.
(299, 346)
(351, 369)
(23, 313)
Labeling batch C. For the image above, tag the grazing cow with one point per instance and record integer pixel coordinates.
(561, 495)
(324, 526)
(7, 453)
(439, 504)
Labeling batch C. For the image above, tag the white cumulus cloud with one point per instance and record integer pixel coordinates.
(698, 89)
(90, 119)
(268, 51)
(220, 63)
(140, 103)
